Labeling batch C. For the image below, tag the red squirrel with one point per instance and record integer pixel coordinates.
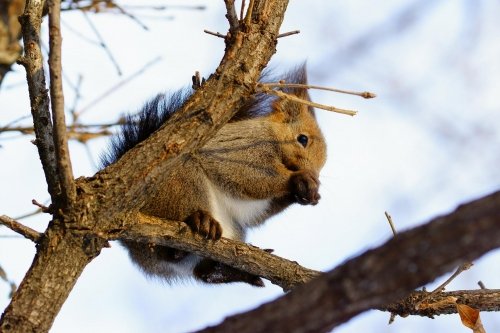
(267, 157)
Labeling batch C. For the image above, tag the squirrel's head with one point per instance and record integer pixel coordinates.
(303, 145)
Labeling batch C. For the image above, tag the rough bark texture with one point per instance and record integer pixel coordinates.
(381, 275)
(106, 207)
(445, 302)
(105, 201)
(32, 61)
(60, 259)
(287, 274)
(65, 172)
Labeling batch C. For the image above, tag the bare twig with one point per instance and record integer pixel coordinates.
(76, 99)
(118, 85)
(248, 16)
(65, 172)
(242, 9)
(33, 213)
(231, 15)
(216, 34)
(285, 34)
(21, 229)
(460, 269)
(32, 60)
(79, 132)
(294, 98)
(281, 84)
(79, 34)
(44, 208)
(131, 16)
(12, 284)
(389, 219)
(102, 43)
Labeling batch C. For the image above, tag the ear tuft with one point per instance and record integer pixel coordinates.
(297, 75)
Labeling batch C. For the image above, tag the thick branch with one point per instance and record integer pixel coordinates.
(33, 63)
(60, 259)
(65, 173)
(106, 201)
(379, 276)
(285, 273)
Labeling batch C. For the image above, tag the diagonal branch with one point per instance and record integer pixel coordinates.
(285, 273)
(379, 276)
(20, 228)
(106, 201)
(67, 183)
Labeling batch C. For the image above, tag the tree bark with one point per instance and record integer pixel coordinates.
(107, 201)
(379, 276)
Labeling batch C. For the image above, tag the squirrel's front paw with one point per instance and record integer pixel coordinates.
(204, 224)
(304, 187)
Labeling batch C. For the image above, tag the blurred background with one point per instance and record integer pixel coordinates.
(428, 142)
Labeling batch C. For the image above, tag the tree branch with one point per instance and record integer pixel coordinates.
(65, 172)
(32, 61)
(444, 302)
(20, 228)
(106, 201)
(285, 273)
(379, 276)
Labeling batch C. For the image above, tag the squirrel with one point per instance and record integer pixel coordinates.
(267, 157)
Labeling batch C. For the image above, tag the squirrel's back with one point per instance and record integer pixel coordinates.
(267, 157)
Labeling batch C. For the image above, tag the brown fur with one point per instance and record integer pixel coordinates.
(255, 162)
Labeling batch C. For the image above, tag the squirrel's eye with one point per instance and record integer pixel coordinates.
(303, 139)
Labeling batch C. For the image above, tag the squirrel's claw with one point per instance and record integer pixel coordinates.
(201, 222)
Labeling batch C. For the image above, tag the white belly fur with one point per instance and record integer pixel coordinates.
(229, 211)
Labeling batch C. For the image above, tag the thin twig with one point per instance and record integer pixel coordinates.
(389, 219)
(21, 229)
(118, 85)
(33, 213)
(285, 34)
(465, 266)
(130, 16)
(65, 172)
(231, 15)
(216, 34)
(242, 9)
(12, 284)
(44, 208)
(294, 98)
(77, 98)
(248, 17)
(14, 122)
(102, 43)
(79, 34)
(165, 7)
(364, 94)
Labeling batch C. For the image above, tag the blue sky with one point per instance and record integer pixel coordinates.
(427, 142)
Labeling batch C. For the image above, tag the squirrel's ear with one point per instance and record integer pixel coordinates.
(297, 75)
(286, 110)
